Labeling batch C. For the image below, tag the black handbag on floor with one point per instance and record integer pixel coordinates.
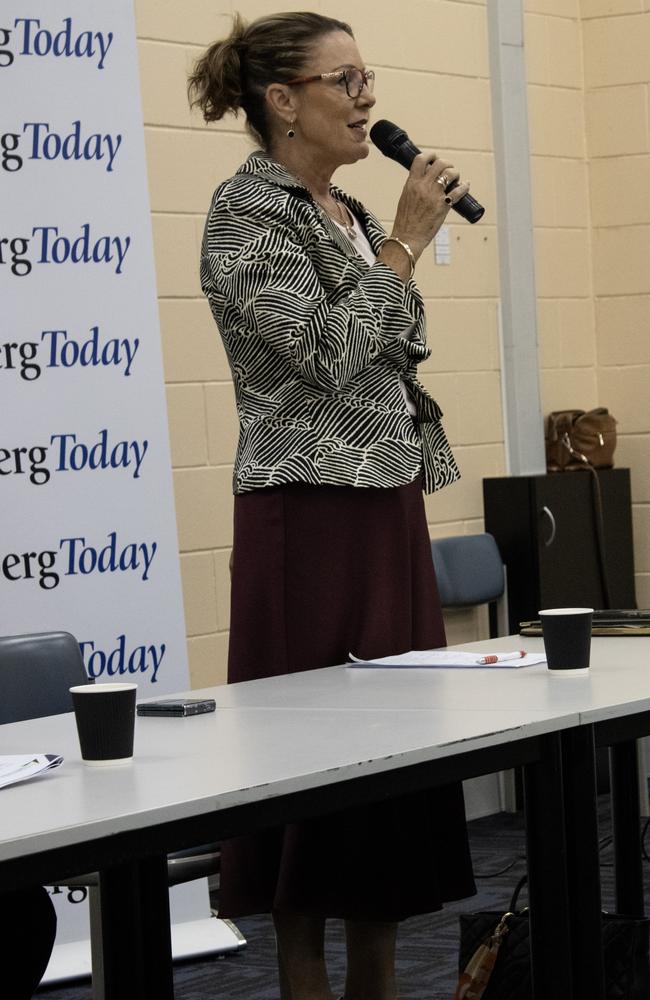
(503, 971)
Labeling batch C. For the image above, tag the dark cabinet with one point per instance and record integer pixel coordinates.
(545, 527)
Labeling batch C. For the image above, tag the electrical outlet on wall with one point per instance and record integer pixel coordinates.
(442, 246)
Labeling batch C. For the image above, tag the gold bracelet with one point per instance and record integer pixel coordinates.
(404, 246)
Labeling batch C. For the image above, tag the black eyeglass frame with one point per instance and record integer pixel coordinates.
(367, 79)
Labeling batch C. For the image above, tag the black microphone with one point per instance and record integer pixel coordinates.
(393, 142)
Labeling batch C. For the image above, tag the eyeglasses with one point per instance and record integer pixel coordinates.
(355, 80)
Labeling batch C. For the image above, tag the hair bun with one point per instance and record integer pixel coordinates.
(216, 84)
(235, 72)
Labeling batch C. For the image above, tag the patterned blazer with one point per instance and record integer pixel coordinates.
(311, 332)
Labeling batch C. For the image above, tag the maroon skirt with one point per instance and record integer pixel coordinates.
(320, 571)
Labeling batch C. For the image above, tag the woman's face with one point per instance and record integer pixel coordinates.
(331, 125)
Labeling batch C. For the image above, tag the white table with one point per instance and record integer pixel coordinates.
(245, 767)
(308, 743)
(618, 683)
(612, 705)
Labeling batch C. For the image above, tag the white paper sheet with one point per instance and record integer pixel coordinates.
(20, 767)
(453, 658)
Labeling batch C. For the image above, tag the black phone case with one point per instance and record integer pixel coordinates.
(177, 708)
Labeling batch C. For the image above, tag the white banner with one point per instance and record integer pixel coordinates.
(88, 538)
(88, 535)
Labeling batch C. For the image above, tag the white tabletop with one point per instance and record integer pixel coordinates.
(197, 765)
(303, 731)
(618, 683)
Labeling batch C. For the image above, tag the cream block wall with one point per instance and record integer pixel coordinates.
(433, 78)
(616, 40)
(561, 208)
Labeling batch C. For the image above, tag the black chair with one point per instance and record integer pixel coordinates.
(27, 933)
(36, 673)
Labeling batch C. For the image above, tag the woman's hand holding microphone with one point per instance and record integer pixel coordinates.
(421, 211)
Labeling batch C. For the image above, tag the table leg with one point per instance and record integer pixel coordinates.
(626, 827)
(547, 875)
(136, 934)
(580, 806)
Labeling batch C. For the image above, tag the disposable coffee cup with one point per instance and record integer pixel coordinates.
(567, 639)
(105, 715)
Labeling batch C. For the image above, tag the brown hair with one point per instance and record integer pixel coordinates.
(235, 72)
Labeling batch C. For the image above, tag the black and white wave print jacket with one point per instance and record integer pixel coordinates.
(312, 338)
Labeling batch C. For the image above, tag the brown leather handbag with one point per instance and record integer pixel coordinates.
(575, 439)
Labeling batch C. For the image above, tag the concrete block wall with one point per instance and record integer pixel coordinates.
(616, 43)
(560, 182)
(433, 79)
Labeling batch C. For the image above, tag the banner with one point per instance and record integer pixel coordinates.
(88, 538)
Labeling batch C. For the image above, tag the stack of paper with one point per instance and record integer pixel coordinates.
(20, 767)
(453, 658)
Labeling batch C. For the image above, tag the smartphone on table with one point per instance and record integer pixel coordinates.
(177, 706)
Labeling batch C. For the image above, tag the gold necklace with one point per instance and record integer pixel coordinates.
(345, 217)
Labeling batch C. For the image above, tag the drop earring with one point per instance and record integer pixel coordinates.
(291, 130)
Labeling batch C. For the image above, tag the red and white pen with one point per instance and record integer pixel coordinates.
(493, 658)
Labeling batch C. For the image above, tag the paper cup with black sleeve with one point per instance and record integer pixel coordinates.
(567, 640)
(105, 715)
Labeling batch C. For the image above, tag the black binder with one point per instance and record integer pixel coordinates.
(612, 622)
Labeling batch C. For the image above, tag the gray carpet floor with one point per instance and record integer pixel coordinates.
(427, 946)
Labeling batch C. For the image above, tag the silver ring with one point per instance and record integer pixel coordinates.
(442, 180)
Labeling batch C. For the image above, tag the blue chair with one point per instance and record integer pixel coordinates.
(470, 572)
(36, 672)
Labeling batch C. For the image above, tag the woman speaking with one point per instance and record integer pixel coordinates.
(324, 328)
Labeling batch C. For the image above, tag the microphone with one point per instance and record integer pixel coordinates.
(393, 142)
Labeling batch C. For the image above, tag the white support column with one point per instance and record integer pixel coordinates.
(523, 426)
